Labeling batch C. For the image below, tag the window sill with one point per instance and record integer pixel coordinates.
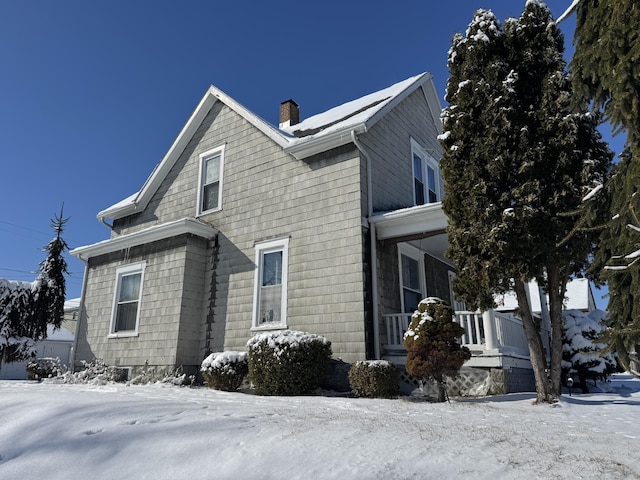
(269, 327)
(123, 335)
(207, 212)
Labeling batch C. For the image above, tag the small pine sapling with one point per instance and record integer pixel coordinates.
(432, 344)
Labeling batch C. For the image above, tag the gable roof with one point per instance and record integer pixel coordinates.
(314, 135)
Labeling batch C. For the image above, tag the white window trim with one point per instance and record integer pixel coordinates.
(204, 156)
(418, 255)
(121, 272)
(262, 248)
(427, 159)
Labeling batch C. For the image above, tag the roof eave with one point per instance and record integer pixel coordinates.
(148, 235)
(410, 221)
(307, 147)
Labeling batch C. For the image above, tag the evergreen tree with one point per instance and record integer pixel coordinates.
(582, 350)
(517, 167)
(616, 260)
(606, 71)
(433, 351)
(27, 309)
(606, 62)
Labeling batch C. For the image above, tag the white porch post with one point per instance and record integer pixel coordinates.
(489, 324)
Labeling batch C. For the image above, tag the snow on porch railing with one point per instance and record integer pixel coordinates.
(501, 329)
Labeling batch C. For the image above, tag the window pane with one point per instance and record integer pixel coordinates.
(210, 197)
(272, 268)
(129, 287)
(411, 300)
(212, 169)
(419, 189)
(410, 273)
(431, 174)
(270, 304)
(126, 316)
(417, 168)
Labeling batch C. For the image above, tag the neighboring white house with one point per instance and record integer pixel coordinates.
(58, 344)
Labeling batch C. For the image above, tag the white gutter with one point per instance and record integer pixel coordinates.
(308, 146)
(374, 249)
(151, 234)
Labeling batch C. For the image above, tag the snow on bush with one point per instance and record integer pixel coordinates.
(374, 379)
(287, 362)
(225, 370)
(44, 368)
(583, 353)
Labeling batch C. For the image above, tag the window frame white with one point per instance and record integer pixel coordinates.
(204, 157)
(427, 161)
(263, 248)
(415, 254)
(121, 272)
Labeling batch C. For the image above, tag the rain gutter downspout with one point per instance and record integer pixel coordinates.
(80, 312)
(374, 250)
(105, 223)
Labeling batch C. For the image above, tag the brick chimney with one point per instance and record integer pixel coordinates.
(289, 113)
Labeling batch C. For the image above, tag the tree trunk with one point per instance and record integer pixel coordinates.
(442, 392)
(537, 355)
(556, 289)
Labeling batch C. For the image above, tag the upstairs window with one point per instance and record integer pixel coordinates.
(426, 176)
(210, 194)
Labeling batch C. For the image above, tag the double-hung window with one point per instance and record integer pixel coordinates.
(270, 293)
(412, 281)
(426, 176)
(126, 303)
(210, 193)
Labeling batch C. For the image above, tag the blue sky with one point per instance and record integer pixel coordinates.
(92, 94)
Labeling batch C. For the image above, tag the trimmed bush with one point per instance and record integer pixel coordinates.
(225, 370)
(287, 362)
(44, 368)
(374, 379)
(433, 350)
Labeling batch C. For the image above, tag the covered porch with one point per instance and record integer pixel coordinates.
(411, 264)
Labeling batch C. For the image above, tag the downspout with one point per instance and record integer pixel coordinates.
(374, 250)
(80, 311)
(104, 222)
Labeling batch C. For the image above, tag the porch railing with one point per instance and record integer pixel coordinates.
(498, 330)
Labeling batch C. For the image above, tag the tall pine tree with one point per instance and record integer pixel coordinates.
(27, 309)
(517, 166)
(606, 71)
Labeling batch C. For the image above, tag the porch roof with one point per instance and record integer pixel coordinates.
(419, 221)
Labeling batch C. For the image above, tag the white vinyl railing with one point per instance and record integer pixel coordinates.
(482, 332)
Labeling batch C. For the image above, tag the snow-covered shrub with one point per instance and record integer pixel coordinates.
(42, 368)
(582, 352)
(374, 379)
(433, 349)
(287, 362)
(225, 370)
(96, 372)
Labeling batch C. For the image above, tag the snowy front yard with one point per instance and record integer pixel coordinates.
(162, 431)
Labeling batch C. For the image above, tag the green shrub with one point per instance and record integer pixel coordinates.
(225, 370)
(374, 379)
(44, 368)
(433, 349)
(287, 362)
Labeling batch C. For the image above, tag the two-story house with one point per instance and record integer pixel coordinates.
(331, 225)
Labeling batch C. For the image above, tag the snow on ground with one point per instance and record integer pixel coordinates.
(162, 431)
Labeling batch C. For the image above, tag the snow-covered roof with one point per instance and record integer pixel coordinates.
(316, 134)
(72, 304)
(59, 335)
